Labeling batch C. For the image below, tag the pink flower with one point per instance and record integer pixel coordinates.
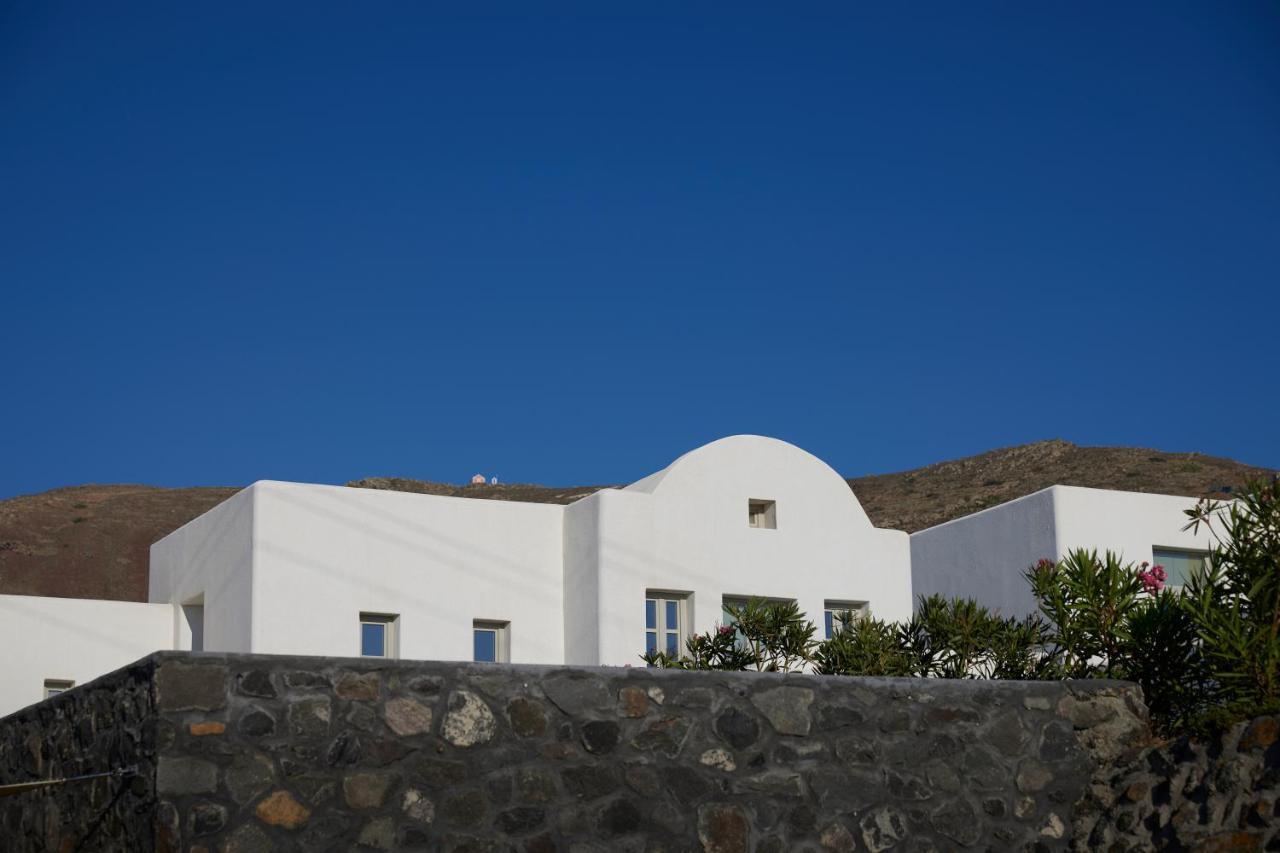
(1152, 579)
(726, 629)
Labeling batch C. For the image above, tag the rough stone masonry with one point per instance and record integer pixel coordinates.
(243, 753)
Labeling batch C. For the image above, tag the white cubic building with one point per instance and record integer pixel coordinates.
(289, 568)
(985, 555)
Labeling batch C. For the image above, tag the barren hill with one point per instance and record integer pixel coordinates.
(93, 541)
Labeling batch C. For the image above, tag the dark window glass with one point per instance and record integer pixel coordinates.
(1178, 566)
(373, 640)
(486, 645)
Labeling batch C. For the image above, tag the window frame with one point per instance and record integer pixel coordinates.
(56, 686)
(501, 640)
(684, 610)
(390, 623)
(833, 608)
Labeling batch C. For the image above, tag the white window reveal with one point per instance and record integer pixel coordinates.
(378, 635)
(491, 641)
(192, 626)
(762, 514)
(837, 614)
(1179, 565)
(666, 617)
(54, 686)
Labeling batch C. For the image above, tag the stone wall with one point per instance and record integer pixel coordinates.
(1216, 796)
(108, 724)
(252, 753)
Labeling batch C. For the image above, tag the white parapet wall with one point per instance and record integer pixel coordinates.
(74, 640)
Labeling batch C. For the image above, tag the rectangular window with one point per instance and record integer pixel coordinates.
(1179, 565)
(762, 514)
(740, 601)
(837, 612)
(665, 622)
(727, 618)
(378, 635)
(491, 641)
(54, 686)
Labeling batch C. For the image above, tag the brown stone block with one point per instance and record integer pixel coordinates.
(723, 828)
(360, 687)
(632, 702)
(281, 809)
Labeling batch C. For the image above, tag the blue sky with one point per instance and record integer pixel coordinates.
(324, 241)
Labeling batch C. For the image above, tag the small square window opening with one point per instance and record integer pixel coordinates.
(762, 514)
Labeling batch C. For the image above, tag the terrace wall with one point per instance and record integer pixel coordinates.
(251, 752)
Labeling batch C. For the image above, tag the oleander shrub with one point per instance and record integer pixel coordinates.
(1111, 619)
(1234, 605)
(963, 639)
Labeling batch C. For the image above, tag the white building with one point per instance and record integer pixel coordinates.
(289, 568)
(984, 555)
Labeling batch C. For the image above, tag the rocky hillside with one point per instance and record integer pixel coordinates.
(93, 541)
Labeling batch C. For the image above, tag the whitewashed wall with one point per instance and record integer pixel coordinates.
(324, 554)
(209, 559)
(685, 530)
(72, 639)
(1130, 523)
(984, 555)
(581, 582)
(287, 568)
